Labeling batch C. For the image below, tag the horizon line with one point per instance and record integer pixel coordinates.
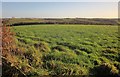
(66, 17)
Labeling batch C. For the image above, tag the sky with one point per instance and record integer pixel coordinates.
(60, 9)
(0, 10)
(59, 0)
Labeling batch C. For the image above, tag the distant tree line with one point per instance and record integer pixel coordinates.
(84, 21)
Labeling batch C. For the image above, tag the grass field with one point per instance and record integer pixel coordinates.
(69, 49)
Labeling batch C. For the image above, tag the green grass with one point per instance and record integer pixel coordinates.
(75, 46)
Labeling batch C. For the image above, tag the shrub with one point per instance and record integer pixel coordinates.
(63, 56)
(7, 40)
(112, 57)
(10, 71)
(60, 48)
(42, 47)
(109, 50)
(106, 69)
(117, 64)
(34, 57)
(37, 72)
(59, 68)
(79, 52)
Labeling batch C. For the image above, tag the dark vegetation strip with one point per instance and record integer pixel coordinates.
(83, 21)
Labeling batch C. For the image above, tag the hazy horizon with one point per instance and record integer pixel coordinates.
(61, 17)
(60, 9)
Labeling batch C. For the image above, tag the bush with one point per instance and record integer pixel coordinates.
(106, 69)
(42, 47)
(37, 73)
(117, 64)
(108, 50)
(59, 68)
(34, 57)
(60, 48)
(79, 52)
(66, 57)
(10, 71)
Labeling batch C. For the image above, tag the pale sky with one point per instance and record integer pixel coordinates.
(59, 0)
(60, 9)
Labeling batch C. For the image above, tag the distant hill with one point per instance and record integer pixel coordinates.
(86, 21)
